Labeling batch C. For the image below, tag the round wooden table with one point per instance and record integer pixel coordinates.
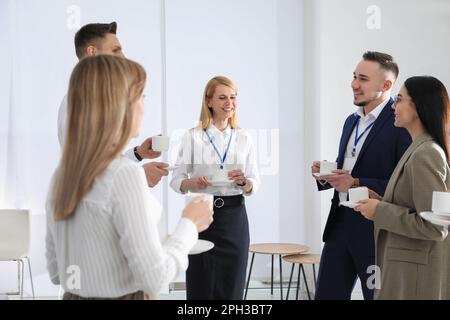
(302, 259)
(272, 249)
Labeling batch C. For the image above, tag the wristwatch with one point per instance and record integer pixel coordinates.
(136, 154)
(355, 183)
(243, 184)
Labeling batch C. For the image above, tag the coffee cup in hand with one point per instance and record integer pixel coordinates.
(221, 175)
(441, 203)
(208, 197)
(199, 211)
(327, 167)
(160, 143)
(357, 194)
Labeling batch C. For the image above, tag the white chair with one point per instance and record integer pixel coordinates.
(15, 242)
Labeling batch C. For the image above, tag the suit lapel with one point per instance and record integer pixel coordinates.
(389, 192)
(378, 125)
(348, 129)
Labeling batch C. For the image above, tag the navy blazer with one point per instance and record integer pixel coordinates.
(379, 155)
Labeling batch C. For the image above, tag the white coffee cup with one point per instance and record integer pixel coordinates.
(160, 143)
(327, 167)
(441, 203)
(357, 194)
(209, 197)
(221, 175)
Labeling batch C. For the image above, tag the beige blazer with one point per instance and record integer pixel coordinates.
(411, 252)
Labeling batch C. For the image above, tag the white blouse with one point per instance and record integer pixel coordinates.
(197, 157)
(113, 240)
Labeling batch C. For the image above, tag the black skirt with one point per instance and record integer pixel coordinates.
(219, 274)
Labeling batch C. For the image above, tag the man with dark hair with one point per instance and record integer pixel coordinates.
(369, 149)
(100, 38)
(97, 38)
(385, 61)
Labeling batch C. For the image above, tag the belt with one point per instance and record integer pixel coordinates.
(228, 201)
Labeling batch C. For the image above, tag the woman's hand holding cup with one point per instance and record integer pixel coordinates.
(200, 212)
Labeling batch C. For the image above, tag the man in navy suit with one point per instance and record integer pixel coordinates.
(369, 150)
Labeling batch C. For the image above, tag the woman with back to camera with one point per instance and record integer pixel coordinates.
(412, 253)
(101, 218)
(218, 158)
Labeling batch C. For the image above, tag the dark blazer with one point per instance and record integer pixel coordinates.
(379, 155)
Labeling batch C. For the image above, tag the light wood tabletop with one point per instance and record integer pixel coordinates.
(278, 248)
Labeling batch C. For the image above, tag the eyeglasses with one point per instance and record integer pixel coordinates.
(398, 99)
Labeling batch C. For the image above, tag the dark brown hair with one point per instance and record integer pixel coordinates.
(90, 33)
(385, 60)
(431, 100)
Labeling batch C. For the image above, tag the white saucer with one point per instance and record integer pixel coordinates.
(171, 168)
(435, 219)
(220, 183)
(320, 175)
(201, 246)
(349, 204)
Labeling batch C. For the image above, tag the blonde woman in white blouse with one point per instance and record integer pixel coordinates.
(214, 152)
(102, 238)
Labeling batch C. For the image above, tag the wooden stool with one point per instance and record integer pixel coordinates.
(279, 249)
(302, 259)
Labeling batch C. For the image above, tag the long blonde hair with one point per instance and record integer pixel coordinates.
(206, 115)
(100, 109)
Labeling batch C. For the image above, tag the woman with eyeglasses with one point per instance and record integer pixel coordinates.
(413, 254)
(218, 158)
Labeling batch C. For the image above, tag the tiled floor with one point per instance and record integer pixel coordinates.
(257, 291)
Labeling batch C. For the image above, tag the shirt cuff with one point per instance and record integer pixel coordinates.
(130, 155)
(176, 185)
(186, 233)
(254, 188)
(379, 214)
(322, 182)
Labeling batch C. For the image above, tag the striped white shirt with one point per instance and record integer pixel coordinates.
(111, 244)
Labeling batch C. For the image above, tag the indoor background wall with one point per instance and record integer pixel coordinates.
(292, 61)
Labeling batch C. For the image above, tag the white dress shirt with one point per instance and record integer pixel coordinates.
(364, 121)
(197, 157)
(62, 119)
(113, 240)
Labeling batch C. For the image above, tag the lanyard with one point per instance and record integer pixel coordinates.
(222, 159)
(357, 138)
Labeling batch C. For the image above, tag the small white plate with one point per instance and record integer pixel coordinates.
(349, 204)
(201, 246)
(221, 183)
(320, 175)
(435, 219)
(171, 168)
